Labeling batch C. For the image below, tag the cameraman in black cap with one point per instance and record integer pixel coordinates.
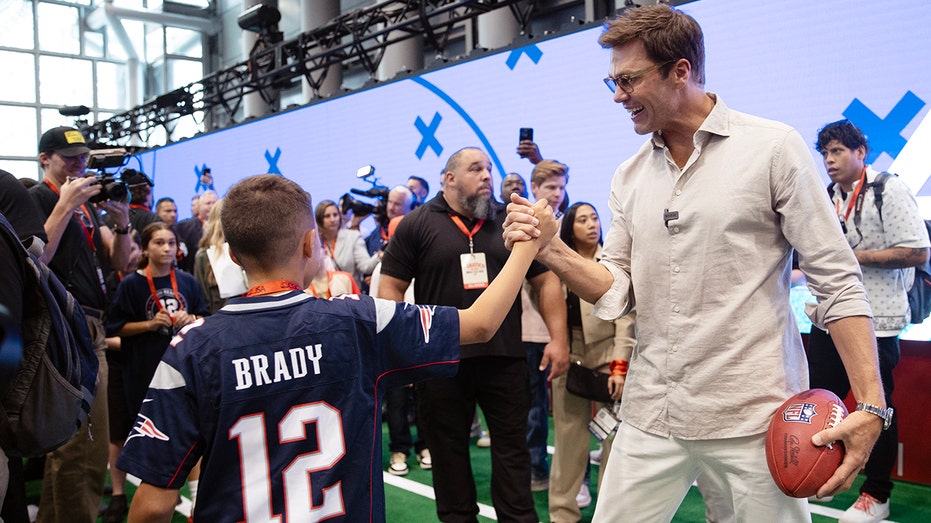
(140, 203)
(81, 249)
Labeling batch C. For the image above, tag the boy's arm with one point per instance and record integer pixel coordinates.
(152, 504)
(478, 323)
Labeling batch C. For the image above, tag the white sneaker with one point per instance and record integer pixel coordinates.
(825, 499)
(484, 441)
(539, 484)
(426, 462)
(584, 497)
(866, 509)
(594, 456)
(398, 464)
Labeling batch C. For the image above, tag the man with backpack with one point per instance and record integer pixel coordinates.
(880, 219)
(81, 250)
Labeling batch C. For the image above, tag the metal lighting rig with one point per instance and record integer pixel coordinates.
(274, 64)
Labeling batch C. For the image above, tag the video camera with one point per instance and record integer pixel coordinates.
(111, 188)
(359, 208)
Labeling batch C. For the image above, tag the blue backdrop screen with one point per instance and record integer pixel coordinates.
(801, 62)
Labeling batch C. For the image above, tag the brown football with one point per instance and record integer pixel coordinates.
(798, 467)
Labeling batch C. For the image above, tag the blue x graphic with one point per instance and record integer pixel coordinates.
(273, 161)
(532, 51)
(428, 132)
(200, 186)
(884, 134)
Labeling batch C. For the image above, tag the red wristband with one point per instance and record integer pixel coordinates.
(619, 368)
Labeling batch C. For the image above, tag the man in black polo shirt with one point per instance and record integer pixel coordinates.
(81, 250)
(452, 245)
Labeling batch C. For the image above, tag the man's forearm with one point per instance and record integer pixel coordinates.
(856, 344)
(893, 258)
(588, 279)
(118, 248)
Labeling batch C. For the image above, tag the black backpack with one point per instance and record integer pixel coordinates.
(51, 394)
(919, 295)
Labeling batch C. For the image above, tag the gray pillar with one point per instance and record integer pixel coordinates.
(252, 103)
(406, 55)
(315, 13)
(497, 28)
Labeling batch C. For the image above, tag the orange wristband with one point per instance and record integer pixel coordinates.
(619, 368)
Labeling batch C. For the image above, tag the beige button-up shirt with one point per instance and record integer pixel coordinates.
(704, 254)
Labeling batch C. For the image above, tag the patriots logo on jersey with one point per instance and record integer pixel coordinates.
(146, 427)
(426, 320)
(799, 412)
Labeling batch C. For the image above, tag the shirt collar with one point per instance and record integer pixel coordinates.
(717, 122)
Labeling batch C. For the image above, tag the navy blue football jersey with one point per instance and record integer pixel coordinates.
(280, 395)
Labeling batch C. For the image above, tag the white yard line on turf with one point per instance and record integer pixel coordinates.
(427, 491)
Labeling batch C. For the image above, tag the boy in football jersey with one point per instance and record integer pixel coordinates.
(279, 392)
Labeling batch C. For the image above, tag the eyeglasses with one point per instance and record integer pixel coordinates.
(626, 81)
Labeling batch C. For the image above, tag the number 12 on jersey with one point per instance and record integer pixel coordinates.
(249, 431)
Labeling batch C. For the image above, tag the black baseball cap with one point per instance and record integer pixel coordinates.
(132, 177)
(66, 141)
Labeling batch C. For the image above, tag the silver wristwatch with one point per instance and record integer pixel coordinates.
(884, 413)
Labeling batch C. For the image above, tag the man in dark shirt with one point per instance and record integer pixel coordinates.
(452, 245)
(81, 250)
(140, 205)
(190, 231)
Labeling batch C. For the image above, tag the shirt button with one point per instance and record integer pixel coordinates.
(675, 348)
(672, 384)
(678, 192)
(675, 269)
(675, 308)
(675, 229)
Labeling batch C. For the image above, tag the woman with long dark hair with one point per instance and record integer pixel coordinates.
(600, 345)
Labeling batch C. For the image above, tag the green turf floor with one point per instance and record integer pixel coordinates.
(911, 502)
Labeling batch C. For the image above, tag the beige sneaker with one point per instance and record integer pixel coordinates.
(484, 441)
(426, 462)
(398, 464)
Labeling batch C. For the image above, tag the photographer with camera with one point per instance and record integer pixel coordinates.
(400, 200)
(81, 250)
(140, 202)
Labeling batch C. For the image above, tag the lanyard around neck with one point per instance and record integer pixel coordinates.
(272, 287)
(856, 200)
(462, 227)
(151, 280)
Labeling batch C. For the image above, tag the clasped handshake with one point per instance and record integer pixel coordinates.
(529, 221)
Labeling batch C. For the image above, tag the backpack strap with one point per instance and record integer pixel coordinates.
(878, 184)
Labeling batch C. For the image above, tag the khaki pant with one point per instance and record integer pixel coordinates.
(649, 476)
(72, 488)
(571, 415)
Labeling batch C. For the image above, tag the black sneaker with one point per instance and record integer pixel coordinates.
(116, 511)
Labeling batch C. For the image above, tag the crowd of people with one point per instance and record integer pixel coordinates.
(273, 397)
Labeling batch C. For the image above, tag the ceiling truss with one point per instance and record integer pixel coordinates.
(361, 35)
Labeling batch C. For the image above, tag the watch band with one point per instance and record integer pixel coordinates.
(121, 230)
(884, 413)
